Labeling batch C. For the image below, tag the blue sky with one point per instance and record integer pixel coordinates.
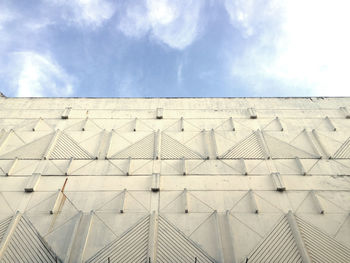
(157, 48)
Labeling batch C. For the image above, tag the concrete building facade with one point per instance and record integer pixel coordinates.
(175, 180)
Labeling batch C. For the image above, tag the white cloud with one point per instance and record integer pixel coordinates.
(5, 16)
(175, 23)
(305, 46)
(87, 12)
(34, 75)
(135, 22)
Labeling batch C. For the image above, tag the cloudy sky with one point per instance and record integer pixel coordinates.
(155, 48)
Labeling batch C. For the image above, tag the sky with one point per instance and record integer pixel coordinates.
(174, 48)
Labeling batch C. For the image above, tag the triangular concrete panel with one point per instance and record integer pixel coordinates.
(187, 223)
(257, 167)
(143, 149)
(226, 125)
(41, 202)
(173, 149)
(142, 167)
(183, 249)
(332, 250)
(89, 140)
(119, 223)
(331, 141)
(248, 148)
(174, 126)
(120, 250)
(57, 167)
(216, 167)
(273, 200)
(127, 201)
(273, 247)
(23, 167)
(261, 223)
(287, 166)
(246, 204)
(95, 243)
(86, 202)
(206, 124)
(33, 150)
(340, 198)
(129, 126)
(225, 139)
(84, 125)
(59, 239)
(26, 245)
(205, 235)
(221, 200)
(10, 141)
(176, 203)
(235, 167)
(281, 149)
(44, 221)
(117, 167)
(13, 199)
(328, 223)
(274, 125)
(242, 232)
(303, 141)
(92, 167)
(296, 198)
(36, 125)
(65, 148)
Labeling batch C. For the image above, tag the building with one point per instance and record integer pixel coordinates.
(175, 180)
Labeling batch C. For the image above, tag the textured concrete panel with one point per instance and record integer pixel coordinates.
(174, 180)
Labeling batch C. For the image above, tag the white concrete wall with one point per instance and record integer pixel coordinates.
(314, 129)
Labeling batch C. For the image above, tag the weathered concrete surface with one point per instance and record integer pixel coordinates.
(291, 161)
